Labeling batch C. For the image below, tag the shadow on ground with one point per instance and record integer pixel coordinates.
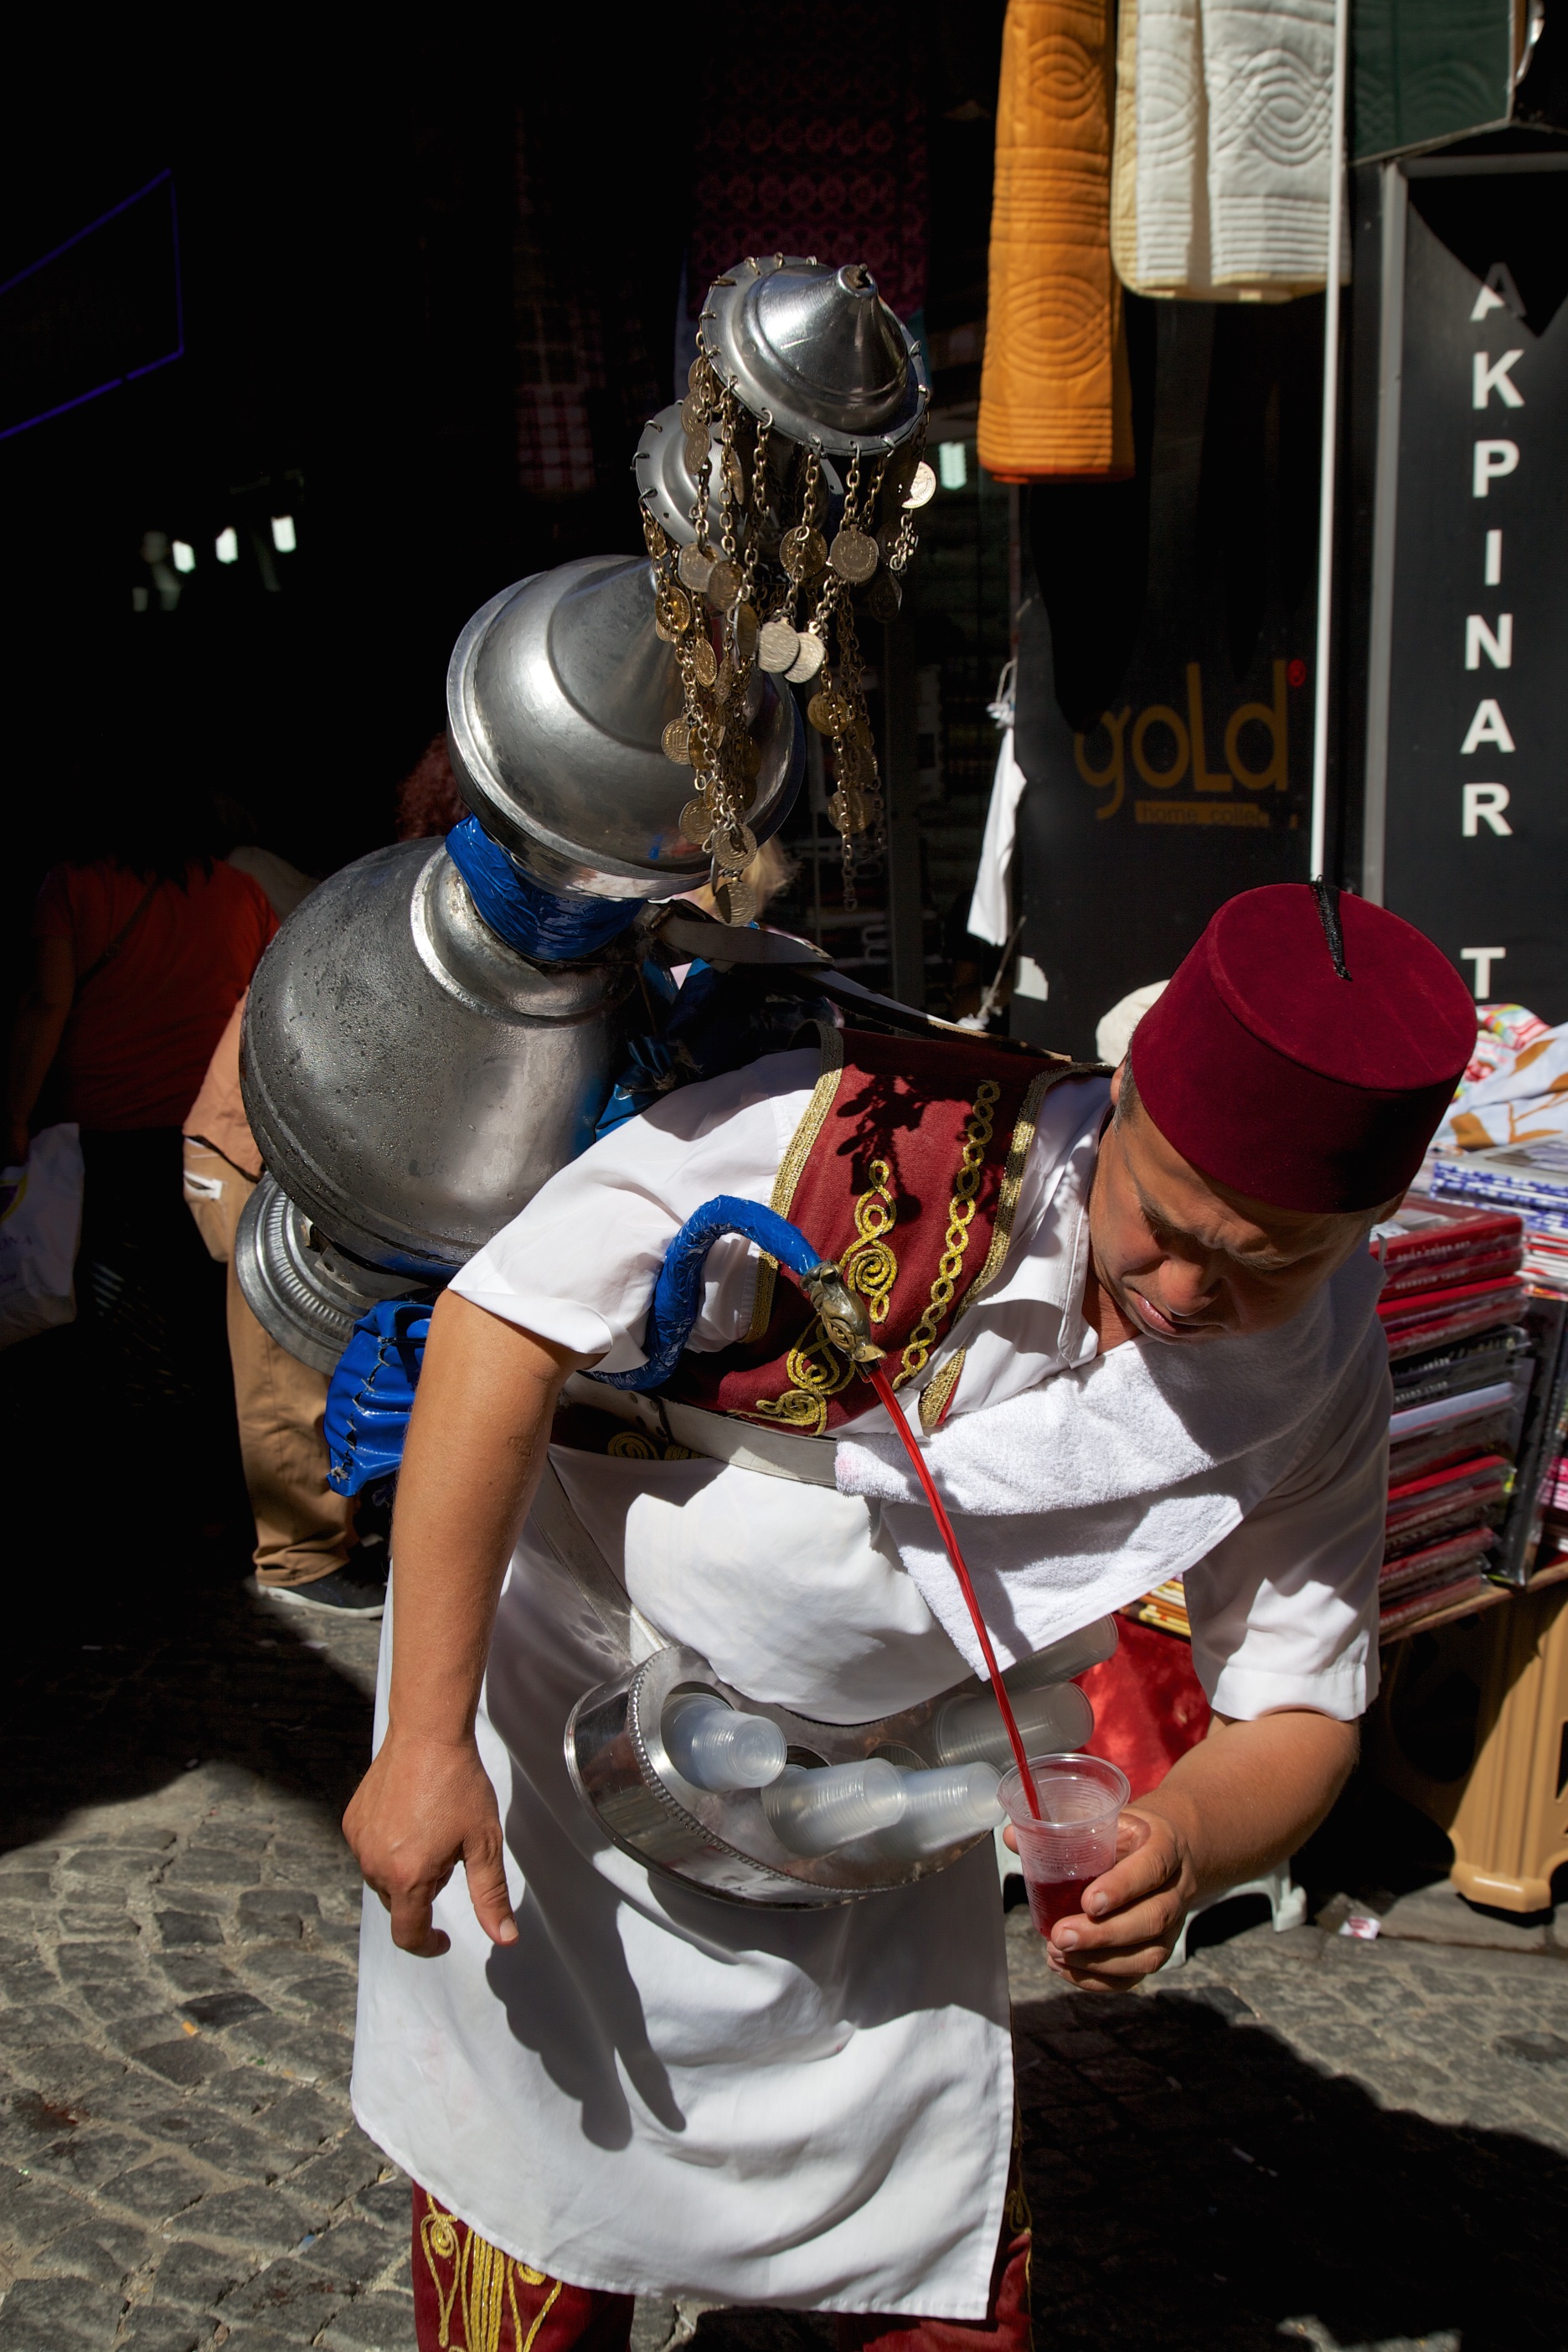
(1197, 2188)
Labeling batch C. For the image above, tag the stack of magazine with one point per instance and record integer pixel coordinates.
(1454, 1309)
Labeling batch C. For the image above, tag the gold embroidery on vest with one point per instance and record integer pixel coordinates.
(794, 1162)
(960, 1217)
(815, 1367)
(484, 2305)
(937, 1390)
(630, 1445)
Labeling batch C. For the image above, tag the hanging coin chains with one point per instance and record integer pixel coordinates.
(706, 589)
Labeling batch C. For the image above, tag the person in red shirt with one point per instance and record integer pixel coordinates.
(140, 956)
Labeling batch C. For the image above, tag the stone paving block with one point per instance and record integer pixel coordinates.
(209, 1866)
(295, 2292)
(50, 2314)
(189, 2060)
(165, 2331)
(307, 2118)
(214, 2010)
(276, 1911)
(373, 2323)
(249, 2338)
(28, 1980)
(32, 2211)
(180, 1929)
(246, 2150)
(99, 1923)
(390, 2203)
(358, 2251)
(103, 2250)
(308, 2053)
(21, 1887)
(331, 2179)
(35, 2026)
(87, 2157)
(262, 2219)
(156, 2190)
(193, 2275)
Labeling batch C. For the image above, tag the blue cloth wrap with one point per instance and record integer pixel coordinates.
(533, 921)
(678, 1293)
(371, 1394)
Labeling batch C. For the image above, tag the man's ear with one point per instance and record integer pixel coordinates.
(1116, 1082)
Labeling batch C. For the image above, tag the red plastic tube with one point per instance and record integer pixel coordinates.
(883, 1386)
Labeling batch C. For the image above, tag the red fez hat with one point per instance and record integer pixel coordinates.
(1306, 1049)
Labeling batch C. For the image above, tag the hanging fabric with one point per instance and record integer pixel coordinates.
(991, 907)
(1221, 168)
(1055, 396)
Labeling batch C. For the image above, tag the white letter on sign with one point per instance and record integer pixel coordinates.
(1483, 959)
(1493, 460)
(1479, 640)
(1484, 805)
(1487, 380)
(1487, 726)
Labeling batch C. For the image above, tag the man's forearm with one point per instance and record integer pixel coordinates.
(477, 1445)
(1252, 1794)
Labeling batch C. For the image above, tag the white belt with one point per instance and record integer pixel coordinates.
(743, 1446)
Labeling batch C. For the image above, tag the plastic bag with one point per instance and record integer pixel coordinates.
(40, 1225)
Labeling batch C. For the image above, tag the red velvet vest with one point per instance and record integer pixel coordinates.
(904, 1170)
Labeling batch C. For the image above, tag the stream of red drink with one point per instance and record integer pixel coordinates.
(883, 1386)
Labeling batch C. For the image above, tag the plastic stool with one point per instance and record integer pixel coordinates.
(1504, 1803)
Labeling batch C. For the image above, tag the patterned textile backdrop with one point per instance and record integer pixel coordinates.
(806, 145)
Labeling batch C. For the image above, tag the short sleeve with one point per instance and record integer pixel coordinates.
(579, 1265)
(1284, 1611)
(53, 916)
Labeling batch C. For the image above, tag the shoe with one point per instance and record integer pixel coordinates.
(339, 1592)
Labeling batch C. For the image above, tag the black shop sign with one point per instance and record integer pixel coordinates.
(1467, 788)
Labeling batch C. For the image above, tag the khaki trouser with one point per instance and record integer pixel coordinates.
(304, 1529)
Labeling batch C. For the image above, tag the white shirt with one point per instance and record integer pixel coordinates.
(657, 2093)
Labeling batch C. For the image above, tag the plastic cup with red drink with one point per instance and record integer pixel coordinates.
(1072, 1839)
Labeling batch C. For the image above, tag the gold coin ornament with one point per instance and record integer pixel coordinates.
(749, 752)
(672, 612)
(922, 489)
(676, 743)
(808, 660)
(694, 413)
(696, 823)
(704, 661)
(733, 848)
(853, 556)
(697, 375)
(802, 550)
(693, 565)
(697, 451)
(884, 597)
(724, 584)
(777, 647)
(734, 901)
(827, 710)
(734, 477)
(746, 631)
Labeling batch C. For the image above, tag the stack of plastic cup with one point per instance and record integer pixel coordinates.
(1073, 1840)
(812, 1812)
(716, 1746)
(942, 1808)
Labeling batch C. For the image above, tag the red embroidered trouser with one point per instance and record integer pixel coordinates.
(470, 2298)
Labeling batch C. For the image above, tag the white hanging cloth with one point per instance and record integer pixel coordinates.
(991, 907)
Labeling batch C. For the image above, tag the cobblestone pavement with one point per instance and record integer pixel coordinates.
(1297, 2137)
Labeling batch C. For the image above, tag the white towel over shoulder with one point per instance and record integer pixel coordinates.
(1094, 1486)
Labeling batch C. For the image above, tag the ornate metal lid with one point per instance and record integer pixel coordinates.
(818, 349)
(559, 696)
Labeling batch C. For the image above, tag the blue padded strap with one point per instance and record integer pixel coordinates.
(678, 1293)
(533, 921)
(370, 1393)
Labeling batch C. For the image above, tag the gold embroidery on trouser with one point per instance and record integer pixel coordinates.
(960, 1217)
(483, 2285)
(794, 1162)
(1018, 2216)
(440, 2243)
(637, 1445)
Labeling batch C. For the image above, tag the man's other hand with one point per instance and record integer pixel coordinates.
(424, 1807)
